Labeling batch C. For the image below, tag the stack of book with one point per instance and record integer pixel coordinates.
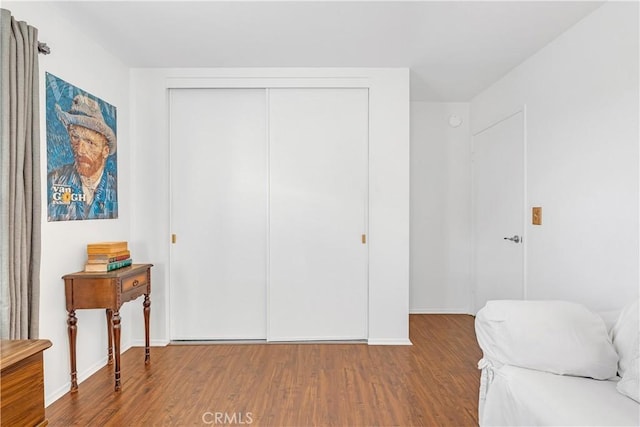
(107, 256)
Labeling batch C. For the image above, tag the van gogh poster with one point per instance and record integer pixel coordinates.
(82, 176)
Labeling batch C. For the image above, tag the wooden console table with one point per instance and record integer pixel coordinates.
(109, 291)
(22, 382)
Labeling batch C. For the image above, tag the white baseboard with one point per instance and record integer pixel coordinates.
(439, 311)
(388, 341)
(57, 394)
(61, 391)
(152, 343)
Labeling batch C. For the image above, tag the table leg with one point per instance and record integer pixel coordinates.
(110, 336)
(72, 329)
(147, 308)
(116, 346)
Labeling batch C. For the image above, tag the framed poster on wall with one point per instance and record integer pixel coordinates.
(82, 173)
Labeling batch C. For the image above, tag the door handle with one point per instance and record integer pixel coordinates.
(514, 239)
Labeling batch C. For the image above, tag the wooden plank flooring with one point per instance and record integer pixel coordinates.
(432, 383)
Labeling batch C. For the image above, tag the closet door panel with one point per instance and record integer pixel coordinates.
(218, 213)
(318, 141)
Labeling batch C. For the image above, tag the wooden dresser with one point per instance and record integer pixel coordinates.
(22, 382)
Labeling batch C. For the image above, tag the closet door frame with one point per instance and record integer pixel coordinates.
(252, 84)
(388, 171)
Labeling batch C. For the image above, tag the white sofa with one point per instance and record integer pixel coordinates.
(555, 363)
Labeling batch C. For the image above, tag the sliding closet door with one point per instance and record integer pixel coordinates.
(218, 214)
(318, 141)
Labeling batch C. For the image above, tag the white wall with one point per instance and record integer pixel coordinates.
(581, 96)
(79, 61)
(388, 179)
(440, 209)
(581, 93)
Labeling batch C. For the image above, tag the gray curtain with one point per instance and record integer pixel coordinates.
(20, 180)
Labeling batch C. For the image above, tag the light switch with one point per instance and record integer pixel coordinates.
(536, 215)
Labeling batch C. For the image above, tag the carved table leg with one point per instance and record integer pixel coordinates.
(72, 329)
(116, 346)
(147, 308)
(110, 336)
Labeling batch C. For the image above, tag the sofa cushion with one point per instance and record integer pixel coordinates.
(624, 335)
(560, 337)
(629, 385)
(626, 340)
(524, 397)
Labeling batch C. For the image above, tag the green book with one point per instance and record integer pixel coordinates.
(108, 267)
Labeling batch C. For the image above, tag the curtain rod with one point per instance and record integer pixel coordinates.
(43, 48)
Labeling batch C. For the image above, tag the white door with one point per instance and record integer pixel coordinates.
(218, 213)
(318, 141)
(498, 179)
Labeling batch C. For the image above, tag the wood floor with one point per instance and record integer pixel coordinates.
(432, 383)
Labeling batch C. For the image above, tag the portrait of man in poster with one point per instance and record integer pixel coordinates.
(81, 155)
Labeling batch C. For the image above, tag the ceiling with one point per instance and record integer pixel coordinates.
(454, 49)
